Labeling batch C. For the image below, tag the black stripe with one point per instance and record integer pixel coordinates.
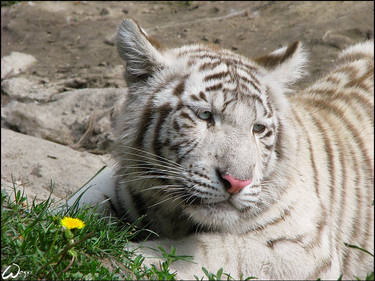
(333, 95)
(331, 169)
(341, 116)
(226, 104)
(214, 87)
(145, 123)
(165, 84)
(268, 147)
(194, 97)
(209, 65)
(312, 159)
(179, 159)
(140, 205)
(179, 88)
(238, 62)
(193, 51)
(270, 109)
(176, 146)
(187, 116)
(175, 125)
(250, 82)
(186, 126)
(205, 56)
(122, 212)
(257, 98)
(164, 111)
(250, 73)
(343, 184)
(269, 133)
(279, 141)
(181, 145)
(203, 96)
(322, 221)
(219, 75)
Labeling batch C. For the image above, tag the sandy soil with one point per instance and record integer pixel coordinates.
(74, 39)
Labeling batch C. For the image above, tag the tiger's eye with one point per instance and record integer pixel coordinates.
(258, 128)
(205, 115)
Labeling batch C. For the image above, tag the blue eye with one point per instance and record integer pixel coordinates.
(258, 128)
(205, 115)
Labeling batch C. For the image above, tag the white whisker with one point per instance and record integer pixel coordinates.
(160, 171)
(165, 187)
(163, 159)
(145, 165)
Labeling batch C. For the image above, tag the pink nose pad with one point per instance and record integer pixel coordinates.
(235, 184)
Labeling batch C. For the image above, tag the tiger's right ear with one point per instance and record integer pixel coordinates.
(138, 50)
(285, 65)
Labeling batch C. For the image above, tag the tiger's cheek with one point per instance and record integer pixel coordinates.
(184, 135)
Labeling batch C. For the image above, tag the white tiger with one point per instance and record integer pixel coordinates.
(230, 170)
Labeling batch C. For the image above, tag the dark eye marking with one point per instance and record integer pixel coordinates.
(187, 116)
(203, 96)
(194, 97)
(268, 134)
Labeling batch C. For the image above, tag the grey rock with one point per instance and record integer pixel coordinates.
(104, 12)
(110, 39)
(22, 89)
(34, 165)
(343, 38)
(336, 39)
(15, 64)
(79, 118)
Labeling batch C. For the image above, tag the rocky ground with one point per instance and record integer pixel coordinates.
(61, 77)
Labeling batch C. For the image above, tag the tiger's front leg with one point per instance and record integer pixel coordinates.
(241, 256)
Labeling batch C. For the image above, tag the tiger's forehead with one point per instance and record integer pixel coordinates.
(217, 80)
(220, 75)
(208, 57)
(217, 68)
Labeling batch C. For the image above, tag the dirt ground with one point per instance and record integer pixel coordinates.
(75, 39)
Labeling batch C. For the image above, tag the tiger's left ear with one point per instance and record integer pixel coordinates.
(141, 52)
(285, 65)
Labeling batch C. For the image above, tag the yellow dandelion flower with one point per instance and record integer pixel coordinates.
(71, 223)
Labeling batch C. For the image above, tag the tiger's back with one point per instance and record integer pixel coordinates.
(336, 117)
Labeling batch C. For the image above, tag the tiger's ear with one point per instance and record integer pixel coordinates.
(140, 51)
(285, 65)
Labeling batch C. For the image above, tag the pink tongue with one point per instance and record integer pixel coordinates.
(235, 184)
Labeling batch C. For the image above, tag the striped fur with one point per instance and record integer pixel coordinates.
(311, 167)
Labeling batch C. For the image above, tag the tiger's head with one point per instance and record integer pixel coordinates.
(205, 131)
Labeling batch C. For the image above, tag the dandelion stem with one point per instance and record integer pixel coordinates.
(69, 265)
(68, 247)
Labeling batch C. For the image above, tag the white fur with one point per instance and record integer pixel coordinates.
(291, 210)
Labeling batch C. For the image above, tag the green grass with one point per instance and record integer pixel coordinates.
(34, 245)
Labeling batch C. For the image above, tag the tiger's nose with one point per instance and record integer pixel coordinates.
(235, 184)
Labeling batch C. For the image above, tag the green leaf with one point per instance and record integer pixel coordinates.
(219, 273)
(359, 248)
(370, 276)
(73, 253)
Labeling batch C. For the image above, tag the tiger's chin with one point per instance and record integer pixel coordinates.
(222, 216)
